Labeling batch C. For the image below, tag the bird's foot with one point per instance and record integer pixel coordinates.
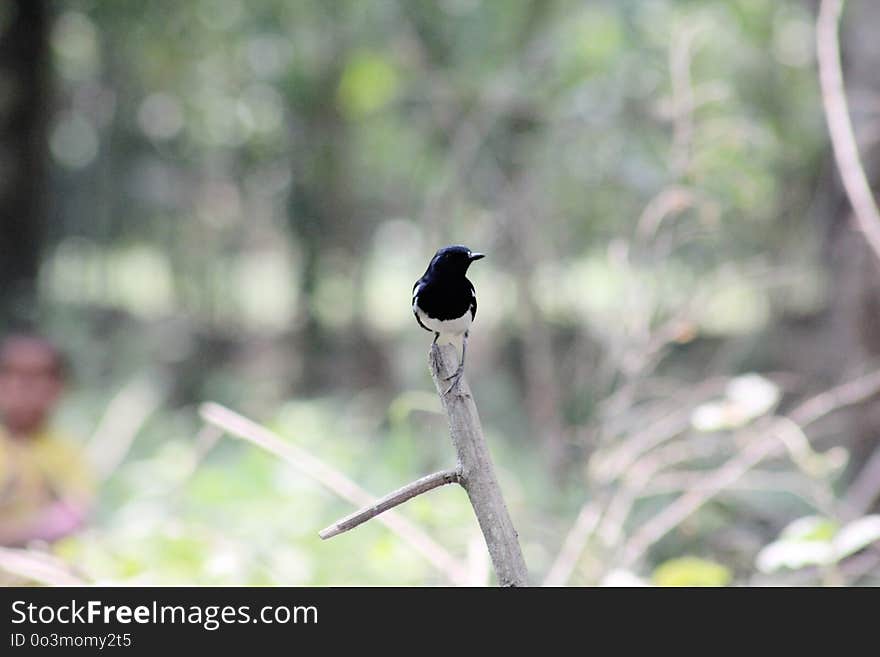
(436, 361)
(455, 378)
(456, 374)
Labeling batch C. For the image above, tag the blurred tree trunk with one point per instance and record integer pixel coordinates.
(855, 309)
(24, 26)
(319, 207)
(543, 393)
(328, 222)
(530, 246)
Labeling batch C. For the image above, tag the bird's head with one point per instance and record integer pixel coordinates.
(454, 259)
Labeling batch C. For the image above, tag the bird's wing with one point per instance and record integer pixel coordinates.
(473, 301)
(416, 289)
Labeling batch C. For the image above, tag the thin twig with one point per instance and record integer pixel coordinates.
(846, 394)
(589, 518)
(205, 440)
(680, 59)
(760, 448)
(122, 421)
(336, 482)
(574, 545)
(756, 480)
(393, 499)
(683, 507)
(633, 484)
(840, 128)
(612, 467)
(620, 459)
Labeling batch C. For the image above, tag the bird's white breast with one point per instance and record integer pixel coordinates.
(450, 330)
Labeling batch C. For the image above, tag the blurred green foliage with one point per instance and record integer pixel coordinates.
(243, 194)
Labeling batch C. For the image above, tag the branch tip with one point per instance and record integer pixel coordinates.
(392, 499)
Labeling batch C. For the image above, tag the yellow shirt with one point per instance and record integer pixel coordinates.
(38, 471)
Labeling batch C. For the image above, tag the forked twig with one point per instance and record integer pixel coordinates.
(336, 482)
(475, 473)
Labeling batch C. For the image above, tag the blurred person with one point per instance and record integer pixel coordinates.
(46, 487)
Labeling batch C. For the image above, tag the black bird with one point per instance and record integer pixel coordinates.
(444, 300)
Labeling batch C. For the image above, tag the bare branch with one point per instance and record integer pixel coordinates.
(125, 416)
(846, 394)
(204, 441)
(337, 483)
(760, 448)
(843, 140)
(704, 490)
(574, 545)
(597, 514)
(394, 498)
(477, 470)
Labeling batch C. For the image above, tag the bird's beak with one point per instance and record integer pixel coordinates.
(477, 256)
